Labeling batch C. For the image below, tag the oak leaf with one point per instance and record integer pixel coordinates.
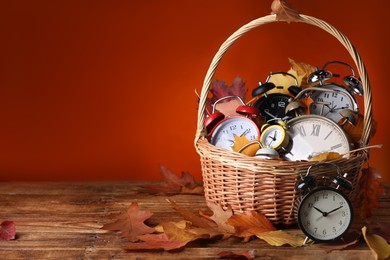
(241, 141)
(7, 230)
(284, 11)
(172, 184)
(380, 249)
(130, 223)
(156, 241)
(250, 223)
(202, 225)
(280, 237)
(174, 237)
(192, 217)
(220, 216)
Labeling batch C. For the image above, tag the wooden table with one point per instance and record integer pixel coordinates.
(64, 220)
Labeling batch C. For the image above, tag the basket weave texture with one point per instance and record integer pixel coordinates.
(268, 186)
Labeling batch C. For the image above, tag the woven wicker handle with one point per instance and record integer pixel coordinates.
(365, 138)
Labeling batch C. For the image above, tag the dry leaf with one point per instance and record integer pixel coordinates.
(284, 11)
(250, 223)
(240, 141)
(280, 237)
(377, 244)
(131, 223)
(179, 234)
(220, 217)
(383, 230)
(219, 89)
(192, 217)
(327, 156)
(7, 230)
(369, 188)
(355, 132)
(183, 224)
(229, 107)
(172, 184)
(155, 241)
(301, 71)
(347, 240)
(247, 254)
(175, 236)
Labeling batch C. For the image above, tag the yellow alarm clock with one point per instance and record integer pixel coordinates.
(275, 136)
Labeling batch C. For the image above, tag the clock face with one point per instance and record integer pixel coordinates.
(311, 135)
(325, 214)
(272, 106)
(274, 136)
(223, 134)
(329, 104)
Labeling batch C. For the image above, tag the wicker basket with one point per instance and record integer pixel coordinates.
(268, 186)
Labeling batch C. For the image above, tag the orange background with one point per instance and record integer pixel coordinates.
(104, 90)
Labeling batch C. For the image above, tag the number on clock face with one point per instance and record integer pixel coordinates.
(325, 214)
(311, 135)
(329, 104)
(273, 106)
(223, 135)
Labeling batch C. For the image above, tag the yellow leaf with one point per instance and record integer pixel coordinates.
(175, 233)
(378, 245)
(280, 237)
(302, 71)
(240, 141)
(180, 224)
(327, 156)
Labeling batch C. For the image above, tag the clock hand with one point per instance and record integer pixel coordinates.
(245, 132)
(331, 109)
(333, 210)
(322, 212)
(341, 108)
(273, 138)
(271, 115)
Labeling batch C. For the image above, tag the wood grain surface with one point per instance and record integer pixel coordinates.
(64, 220)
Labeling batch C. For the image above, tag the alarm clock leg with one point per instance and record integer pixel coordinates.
(306, 240)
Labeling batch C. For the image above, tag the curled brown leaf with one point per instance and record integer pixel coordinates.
(284, 11)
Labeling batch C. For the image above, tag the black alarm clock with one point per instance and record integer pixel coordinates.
(272, 105)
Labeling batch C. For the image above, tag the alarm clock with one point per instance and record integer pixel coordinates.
(329, 104)
(275, 136)
(222, 130)
(325, 213)
(272, 106)
(311, 135)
